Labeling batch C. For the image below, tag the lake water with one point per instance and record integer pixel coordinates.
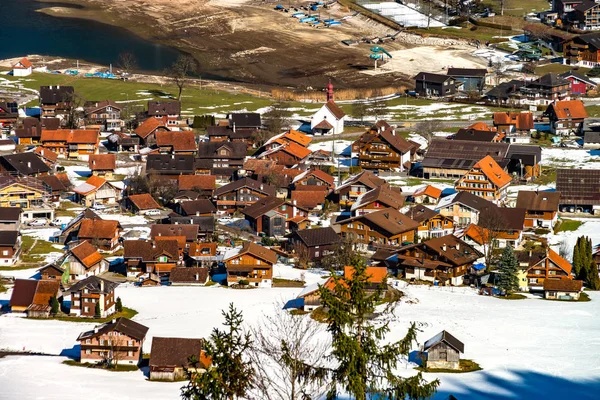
(25, 31)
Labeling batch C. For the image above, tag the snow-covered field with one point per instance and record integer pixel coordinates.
(565, 158)
(529, 349)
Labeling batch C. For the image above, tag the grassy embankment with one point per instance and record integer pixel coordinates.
(567, 225)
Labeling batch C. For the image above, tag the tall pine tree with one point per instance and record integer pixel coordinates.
(365, 366)
(229, 375)
(577, 257)
(508, 269)
(592, 280)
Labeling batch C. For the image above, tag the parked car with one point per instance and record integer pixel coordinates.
(153, 212)
(60, 221)
(99, 207)
(224, 219)
(38, 222)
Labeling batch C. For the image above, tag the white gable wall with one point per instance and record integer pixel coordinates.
(325, 114)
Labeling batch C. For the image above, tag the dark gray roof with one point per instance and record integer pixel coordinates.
(429, 77)
(504, 90)
(121, 324)
(462, 154)
(447, 338)
(529, 155)
(10, 214)
(92, 284)
(8, 238)
(585, 5)
(227, 131)
(578, 76)
(202, 206)
(163, 108)
(467, 72)
(210, 150)
(9, 109)
(24, 163)
(475, 135)
(205, 224)
(170, 164)
(420, 213)
(318, 236)
(263, 206)
(551, 80)
(578, 186)
(55, 94)
(592, 39)
(591, 137)
(246, 182)
(32, 127)
(246, 120)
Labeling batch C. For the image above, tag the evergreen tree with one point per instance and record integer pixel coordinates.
(97, 310)
(365, 366)
(592, 280)
(508, 270)
(54, 305)
(577, 256)
(119, 305)
(229, 375)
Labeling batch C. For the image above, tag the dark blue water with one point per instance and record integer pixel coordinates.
(25, 31)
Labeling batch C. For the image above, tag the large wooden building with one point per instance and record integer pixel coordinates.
(252, 263)
(485, 179)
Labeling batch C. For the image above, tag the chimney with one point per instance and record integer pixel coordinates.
(95, 330)
(457, 246)
(444, 247)
(154, 243)
(102, 285)
(114, 320)
(28, 164)
(262, 187)
(197, 276)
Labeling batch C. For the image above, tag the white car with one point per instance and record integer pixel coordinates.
(153, 212)
(99, 207)
(38, 222)
(224, 220)
(61, 221)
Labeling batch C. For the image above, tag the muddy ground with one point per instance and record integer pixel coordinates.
(248, 41)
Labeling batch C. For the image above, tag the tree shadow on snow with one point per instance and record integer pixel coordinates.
(524, 385)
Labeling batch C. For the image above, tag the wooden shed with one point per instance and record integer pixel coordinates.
(443, 351)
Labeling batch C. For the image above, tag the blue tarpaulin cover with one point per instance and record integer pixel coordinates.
(479, 266)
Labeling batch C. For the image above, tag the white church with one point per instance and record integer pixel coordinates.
(329, 120)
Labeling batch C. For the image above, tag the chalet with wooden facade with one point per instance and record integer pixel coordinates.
(222, 159)
(516, 126)
(315, 179)
(119, 341)
(103, 165)
(55, 101)
(385, 150)
(384, 227)
(541, 208)
(269, 215)
(30, 132)
(431, 223)
(349, 190)
(427, 195)
(537, 267)
(384, 196)
(176, 142)
(443, 351)
(312, 245)
(189, 231)
(168, 111)
(106, 114)
(83, 261)
(583, 50)
(486, 179)
(146, 131)
(250, 262)
(102, 233)
(566, 117)
(544, 90)
(90, 291)
(203, 185)
(76, 144)
(287, 154)
(241, 193)
(169, 357)
(152, 256)
(97, 190)
(32, 297)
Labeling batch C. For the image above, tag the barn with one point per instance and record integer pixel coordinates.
(443, 351)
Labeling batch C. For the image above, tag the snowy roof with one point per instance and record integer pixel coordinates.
(307, 290)
(84, 188)
(446, 201)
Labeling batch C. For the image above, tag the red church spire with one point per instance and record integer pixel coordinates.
(329, 91)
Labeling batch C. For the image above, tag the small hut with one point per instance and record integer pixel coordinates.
(443, 351)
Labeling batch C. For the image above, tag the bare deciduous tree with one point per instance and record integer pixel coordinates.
(427, 128)
(73, 114)
(276, 120)
(181, 71)
(489, 227)
(284, 344)
(127, 62)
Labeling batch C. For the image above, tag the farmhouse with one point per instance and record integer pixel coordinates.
(349, 190)
(384, 150)
(432, 224)
(103, 165)
(250, 262)
(141, 203)
(32, 297)
(55, 101)
(169, 111)
(541, 208)
(102, 233)
(562, 289)
(153, 257)
(97, 190)
(146, 131)
(383, 196)
(566, 117)
(169, 357)
(189, 276)
(241, 193)
(311, 245)
(579, 190)
(83, 261)
(90, 291)
(71, 143)
(485, 179)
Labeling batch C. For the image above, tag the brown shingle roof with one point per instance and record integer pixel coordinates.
(102, 162)
(385, 195)
(318, 236)
(189, 231)
(175, 352)
(248, 183)
(308, 199)
(463, 255)
(121, 324)
(335, 109)
(563, 285)
(148, 126)
(258, 251)
(202, 206)
(367, 178)
(397, 142)
(46, 154)
(45, 290)
(420, 213)
(164, 108)
(86, 253)
(201, 182)
(180, 141)
(148, 250)
(23, 292)
(143, 201)
(538, 201)
(388, 219)
(262, 206)
(189, 275)
(98, 228)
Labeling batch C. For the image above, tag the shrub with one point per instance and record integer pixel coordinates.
(243, 282)
(119, 305)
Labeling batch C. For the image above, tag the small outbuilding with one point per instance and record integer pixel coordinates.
(23, 68)
(443, 351)
(562, 289)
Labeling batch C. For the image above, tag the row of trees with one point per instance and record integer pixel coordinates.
(584, 266)
(292, 357)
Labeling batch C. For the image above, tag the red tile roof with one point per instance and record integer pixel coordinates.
(567, 109)
(143, 201)
(430, 191)
(98, 228)
(46, 154)
(87, 254)
(521, 120)
(23, 63)
(102, 162)
(308, 199)
(180, 141)
(202, 182)
(149, 126)
(74, 136)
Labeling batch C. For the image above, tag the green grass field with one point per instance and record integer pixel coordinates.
(567, 225)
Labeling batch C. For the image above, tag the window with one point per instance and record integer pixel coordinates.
(4, 252)
(130, 343)
(101, 342)
(88, 341)
(130, 353)
(551, 294)
(88, 352)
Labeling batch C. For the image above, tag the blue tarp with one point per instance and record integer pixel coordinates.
(478, 266)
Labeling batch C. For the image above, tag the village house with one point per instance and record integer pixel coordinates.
(151, 256)
(585, 16)
(311, 298)
(427, 195)
(562, 289)
(23, 67)
(176, 142)
(51, 272)
(70, 231)
(580, 84)
(224, 133)
(469, 79)
(287, 154)
(498, 232)
(202, 254)
(290, 136)
(141, 203)
(170, 165)
(328, 120)
(203, 185)
(434, 85)
(432, 224)
(445, 259)
(479, 132)
(10, 219)
(349, 190)
(385, 150)
(251, 263)
(566, 117)
(524, 161)
(199, 208)
(537, 267)
(33, 297)
(102, 233)
(245, 124)
(269, 215)
(47, 156)
(463, 207)
(30, 194)
(31, 130)
(76, 144)
(241, 193)
(516, 126)
(579, 190)
(443, 351)
(59, 185)
(9, 113)
(191, 232)
(486, 179)
(544, 90)
(97, 191)
(312, 245)
(106, 114)
(384, 227)
(222, 159)
(189, 276)
(119, 341)
(82, 261)
(23, 164)
(168, 111)
(89, 291)
(315, 179)
(122, 142)
(170, 356)
(504, 93)
(384, 196)
(309, 201)
(103, 165)
(146, 131)
(583, 50)
(541, 208)
(55, 101)
(10, 247)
